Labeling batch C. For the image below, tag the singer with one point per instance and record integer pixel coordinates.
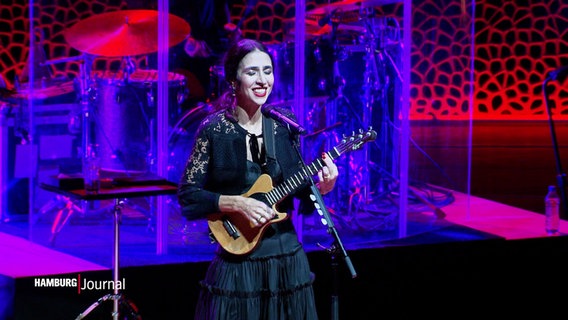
(234, 146)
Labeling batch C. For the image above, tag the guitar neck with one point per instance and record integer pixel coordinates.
(294, 182)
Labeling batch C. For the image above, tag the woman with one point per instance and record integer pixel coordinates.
(273, 281)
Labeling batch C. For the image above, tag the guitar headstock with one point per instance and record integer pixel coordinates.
(357, 140)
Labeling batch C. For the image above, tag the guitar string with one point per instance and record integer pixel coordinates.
(289, 185)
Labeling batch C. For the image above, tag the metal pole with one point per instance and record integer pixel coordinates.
(116, 264)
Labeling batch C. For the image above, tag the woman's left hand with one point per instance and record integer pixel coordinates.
(327, 175)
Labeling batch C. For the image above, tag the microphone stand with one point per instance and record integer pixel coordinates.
(337, 247)
(560, 176)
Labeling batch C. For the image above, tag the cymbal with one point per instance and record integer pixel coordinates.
(123, 33)
(348, 5)
(314, 30)
(45, 89)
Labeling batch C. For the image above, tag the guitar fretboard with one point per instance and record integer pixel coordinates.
(295, 181)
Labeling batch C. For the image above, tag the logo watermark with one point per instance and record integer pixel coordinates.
(82, 284)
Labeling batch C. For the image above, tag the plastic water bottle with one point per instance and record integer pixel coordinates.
(552, 210)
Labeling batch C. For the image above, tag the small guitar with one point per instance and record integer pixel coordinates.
(236, 234)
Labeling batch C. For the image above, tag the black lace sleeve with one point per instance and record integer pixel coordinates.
(194, 200)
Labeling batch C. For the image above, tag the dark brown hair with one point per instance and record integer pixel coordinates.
(233, 58)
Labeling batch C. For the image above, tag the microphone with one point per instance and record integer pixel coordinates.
(270, 111)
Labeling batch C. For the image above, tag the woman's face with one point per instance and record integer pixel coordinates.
(255, 79)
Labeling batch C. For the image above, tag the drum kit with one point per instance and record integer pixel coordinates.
(352, 58)
(126, 97)
(340, 36)
(115, 105)
(113, 110)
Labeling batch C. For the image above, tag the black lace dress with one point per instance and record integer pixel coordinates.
(273, 281)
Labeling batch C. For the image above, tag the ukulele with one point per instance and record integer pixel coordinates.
(237, 235)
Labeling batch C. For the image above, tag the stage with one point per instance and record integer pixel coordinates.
(482, 256)
(488, 257)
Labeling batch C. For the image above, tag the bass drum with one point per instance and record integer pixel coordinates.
(180, 142)
(181, 139)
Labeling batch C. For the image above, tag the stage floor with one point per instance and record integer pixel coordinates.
(87, 243)
(480, 253)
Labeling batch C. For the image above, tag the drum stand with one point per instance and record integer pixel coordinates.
(117, 298)
(370, 86)
(375, 84)
(117, 193)
(66, 207)
(89, 121)
(377, 80)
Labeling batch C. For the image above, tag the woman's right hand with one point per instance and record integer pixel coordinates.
(256, 211)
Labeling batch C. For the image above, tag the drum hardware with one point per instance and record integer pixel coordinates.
(79, 122)
(350, 29)
(40, 70)
(129, 67)
(124, 34)
(116, 34)
(348, 6)
(326, 51)
(374, 91)
(75, 122)
(346, 34)
(382, 34)
(43, 88)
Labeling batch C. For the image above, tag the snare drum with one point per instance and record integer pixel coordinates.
(126, 113)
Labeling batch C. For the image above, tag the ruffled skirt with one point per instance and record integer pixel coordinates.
(277, 287)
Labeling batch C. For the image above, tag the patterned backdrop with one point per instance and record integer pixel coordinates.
(517, 43)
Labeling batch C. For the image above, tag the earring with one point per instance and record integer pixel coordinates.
(233, 89)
